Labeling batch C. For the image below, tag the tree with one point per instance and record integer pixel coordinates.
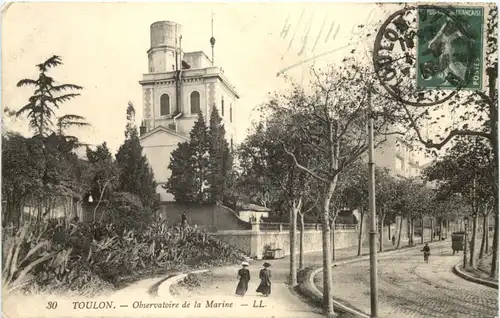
(466, 169)
(219, 162)
(263, 157)
(136, 176)
(478, 113)
(42, 105)
(356, 194)
(190, 166)
(253, 180)
(333, 126)
(386, 198)
(105, 173)
(22, 174)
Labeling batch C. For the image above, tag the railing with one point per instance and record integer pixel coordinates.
(285, 227)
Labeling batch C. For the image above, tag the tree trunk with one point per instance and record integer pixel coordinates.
(412, 231)
(400, 230)
(381, 236)
(493, 121)
(333, 239)
(100, 199)
(389, 231)
(301, 243)
(327, 257)
(441, 221)
(360, 236)
(472, 258)
(483, 238)
(293, 243)
(423, 228)
(494, 257)
(432, 229)
(487, 245)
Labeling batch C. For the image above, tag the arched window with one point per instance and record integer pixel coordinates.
(164, 105)
(195, 102)
(222, 105)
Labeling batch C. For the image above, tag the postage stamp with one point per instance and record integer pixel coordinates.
(450, 47)
(424, 54)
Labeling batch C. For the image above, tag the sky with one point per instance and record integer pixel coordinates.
(103, 47)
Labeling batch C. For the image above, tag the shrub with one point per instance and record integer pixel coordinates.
(73, 256)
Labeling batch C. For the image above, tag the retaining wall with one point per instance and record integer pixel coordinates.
(254, 243)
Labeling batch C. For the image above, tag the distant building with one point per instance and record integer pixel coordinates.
(397, 155)
(177, 86)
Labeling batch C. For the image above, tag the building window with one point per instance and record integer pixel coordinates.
(231, 112)
(164, 105)
(195, 102)
(222, 105)
(231, 143)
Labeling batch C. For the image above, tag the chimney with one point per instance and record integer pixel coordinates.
(142, 129)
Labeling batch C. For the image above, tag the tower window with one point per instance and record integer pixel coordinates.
(231, 112)
(164, 105)
(222, 105)
(195, 102)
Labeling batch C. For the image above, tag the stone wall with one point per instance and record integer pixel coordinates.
(254, 243)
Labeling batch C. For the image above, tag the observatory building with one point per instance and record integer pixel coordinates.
(177, 86)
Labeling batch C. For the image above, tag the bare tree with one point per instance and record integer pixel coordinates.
(332, 123)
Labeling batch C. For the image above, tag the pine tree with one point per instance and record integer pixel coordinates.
(136, 176)
(181, 182)
(220, 163)
(43, 103)
(189, 166)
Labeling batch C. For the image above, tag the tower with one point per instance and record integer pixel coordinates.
(177, 87)
(164, 54)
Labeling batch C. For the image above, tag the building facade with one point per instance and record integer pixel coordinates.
(177, 86)
(397, 155)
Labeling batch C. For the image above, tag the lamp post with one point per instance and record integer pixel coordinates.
(466, 224)
(373, 217)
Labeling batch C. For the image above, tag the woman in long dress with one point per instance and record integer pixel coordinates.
(265, 280)
(244, 277)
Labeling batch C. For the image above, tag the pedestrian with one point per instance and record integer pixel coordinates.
(427, 252)
(184, 218)
(265, 280)
(244, 277)
(393, 240)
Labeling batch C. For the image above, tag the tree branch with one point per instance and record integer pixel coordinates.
(451, 135)
(306, 170)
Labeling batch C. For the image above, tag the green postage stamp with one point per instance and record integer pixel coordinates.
(450, 48)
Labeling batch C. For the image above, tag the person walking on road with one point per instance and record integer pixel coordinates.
(265, 280)
(244, 277)
(427, 252)
(393, 240)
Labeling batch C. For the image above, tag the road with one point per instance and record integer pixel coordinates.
(409, 287)
(221, 285)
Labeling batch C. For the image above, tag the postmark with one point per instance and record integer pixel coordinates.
(423, 55)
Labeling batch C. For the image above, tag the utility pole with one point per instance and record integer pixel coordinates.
(373, 219)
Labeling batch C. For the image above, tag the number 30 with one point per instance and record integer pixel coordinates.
(51, 305)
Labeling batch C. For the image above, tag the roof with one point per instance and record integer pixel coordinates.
(164, 129)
